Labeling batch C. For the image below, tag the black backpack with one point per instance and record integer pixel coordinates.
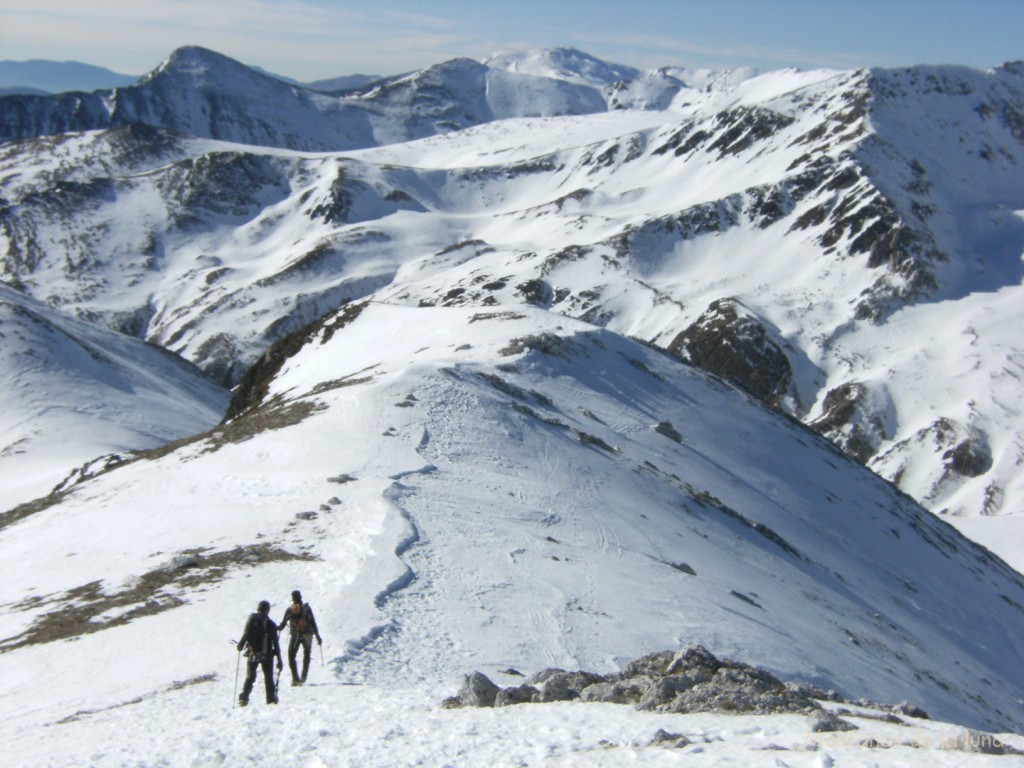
(258, 636)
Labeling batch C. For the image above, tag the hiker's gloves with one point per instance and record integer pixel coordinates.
(319, 641)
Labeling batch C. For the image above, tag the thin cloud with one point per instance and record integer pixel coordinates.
(303, 39)
(419, 20)
(651, 45)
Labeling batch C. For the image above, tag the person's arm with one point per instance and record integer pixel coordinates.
(312, 621)
(277, 652)
(284, 621)
(245, 634)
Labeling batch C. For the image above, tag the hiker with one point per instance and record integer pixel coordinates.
(299, 618)
(259, 639)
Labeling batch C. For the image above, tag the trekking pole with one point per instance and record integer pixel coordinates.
(322, 664)
(234, 693)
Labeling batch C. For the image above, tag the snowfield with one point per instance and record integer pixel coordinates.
(431, 352)
(869, 221)
(334, 724)
(453, 491)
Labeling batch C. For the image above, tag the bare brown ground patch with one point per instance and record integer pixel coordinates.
(80, 611)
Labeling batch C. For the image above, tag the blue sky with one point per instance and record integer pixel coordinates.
(314, 39)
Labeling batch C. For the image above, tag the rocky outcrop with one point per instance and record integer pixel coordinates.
(936, 460)
(730, 341)
(690, 680)
(693, 680)
(851, 419)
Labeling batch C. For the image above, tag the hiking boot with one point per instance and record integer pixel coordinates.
(242, 702)
(296, 683)
(272, 701)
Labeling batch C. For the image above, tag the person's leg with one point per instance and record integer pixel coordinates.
(250, 679)
(293, 650)
(268, 681)
(307, 650)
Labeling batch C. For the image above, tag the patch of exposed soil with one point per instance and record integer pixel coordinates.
(87, 608)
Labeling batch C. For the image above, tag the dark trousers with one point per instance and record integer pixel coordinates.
(268, 678)
(306, 641)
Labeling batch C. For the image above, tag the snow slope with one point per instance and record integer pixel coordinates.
(339, 724)
(868, 221)
(72, 391)
(454, 489)
(480, 468)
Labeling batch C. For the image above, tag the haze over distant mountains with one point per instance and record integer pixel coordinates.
(43, 76)
(40, 76)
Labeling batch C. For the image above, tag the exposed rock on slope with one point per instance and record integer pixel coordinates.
(730, 341)
(690, 680)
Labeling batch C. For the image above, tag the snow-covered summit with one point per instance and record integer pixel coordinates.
(567, 64)
(195, 61)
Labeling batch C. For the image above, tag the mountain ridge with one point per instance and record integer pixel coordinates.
(613, 477)
(857, 181)
(528, 380)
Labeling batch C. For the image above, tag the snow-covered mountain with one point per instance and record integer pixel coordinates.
(456, 489)
(73, 390)
(461, 311)
(855, 235)
(205, 94)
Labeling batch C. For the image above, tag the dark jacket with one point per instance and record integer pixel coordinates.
(260, 637)
(303, 622)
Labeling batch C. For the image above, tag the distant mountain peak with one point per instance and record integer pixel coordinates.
(195, 62)
(562, 63)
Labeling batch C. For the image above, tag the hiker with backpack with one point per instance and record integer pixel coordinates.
(299, 618)
(259, 639)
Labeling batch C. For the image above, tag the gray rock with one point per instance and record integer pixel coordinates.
(651, 665)
(539, 677)
(566, 686)
(827, 722)
(478, 691)
(182, 562)
(741, 689)
(519, 694)
(693, 657)
(690, 680)
(910, 710)
(664, 690)
(731, 341)
(452, 702)
(617, 692)
(813, 692)
(665, 739)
